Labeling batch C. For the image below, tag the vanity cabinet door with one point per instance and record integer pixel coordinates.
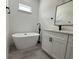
(69, 53)
(47, 42)
(58, 48)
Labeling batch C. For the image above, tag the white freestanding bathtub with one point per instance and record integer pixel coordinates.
(25, 40)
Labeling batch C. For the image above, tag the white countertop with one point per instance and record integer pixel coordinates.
(61, 31)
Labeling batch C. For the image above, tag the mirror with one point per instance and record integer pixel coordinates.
(64, 14)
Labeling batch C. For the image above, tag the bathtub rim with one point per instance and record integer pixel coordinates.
(22, 34)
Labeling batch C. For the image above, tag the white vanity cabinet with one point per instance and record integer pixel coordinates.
(55, 44)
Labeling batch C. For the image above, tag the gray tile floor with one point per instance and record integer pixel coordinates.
(32, 53)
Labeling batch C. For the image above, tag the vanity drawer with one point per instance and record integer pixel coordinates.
(58, 35)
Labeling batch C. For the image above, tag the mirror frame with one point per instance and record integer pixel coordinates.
(56, 13)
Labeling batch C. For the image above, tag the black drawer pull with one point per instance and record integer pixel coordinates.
(50, 39)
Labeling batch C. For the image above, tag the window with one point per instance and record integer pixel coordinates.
(26, 8)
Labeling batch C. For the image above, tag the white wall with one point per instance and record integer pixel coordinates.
(7, 27)
(47, 10)
(23, 21)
